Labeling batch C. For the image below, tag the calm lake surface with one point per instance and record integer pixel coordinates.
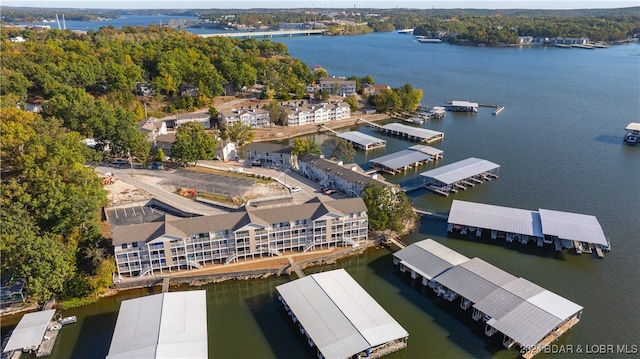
(559, 144)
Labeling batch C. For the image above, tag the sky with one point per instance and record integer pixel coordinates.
(384, 4)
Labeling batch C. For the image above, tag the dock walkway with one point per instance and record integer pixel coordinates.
(295, 267)
(48, 342)
(550, 338)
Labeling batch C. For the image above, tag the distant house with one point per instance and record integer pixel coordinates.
(300, 113)
(369, 89)
(34, 104)
(17, 39)
(227, 151)
(338, 86)
(182, 118)
(269, 153)
(153, 127)
(253, 116)
(164, 142)
(144, 89)
(188, 90)
(347, 178)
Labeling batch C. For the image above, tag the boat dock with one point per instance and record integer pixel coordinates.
(294, 266)
(362, 141)
(561, 230)
(49, 340)
(409, 133)
(459, 175)
(550, 338)
(523, 313)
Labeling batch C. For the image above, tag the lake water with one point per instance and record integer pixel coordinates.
(559, 144)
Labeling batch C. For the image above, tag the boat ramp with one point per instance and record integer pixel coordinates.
(527, 315)
(459, 175)
(563, 230)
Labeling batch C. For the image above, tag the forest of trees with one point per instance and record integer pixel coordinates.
(51, 198)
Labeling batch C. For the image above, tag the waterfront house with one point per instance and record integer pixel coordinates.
(349, 179)
(369, 89)
(149, 241)
(338, 86)
(253, 116)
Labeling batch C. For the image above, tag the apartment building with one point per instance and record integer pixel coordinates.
(338, 86)
(163, 242)
(347, 178)
(301, 113)
(254, 117)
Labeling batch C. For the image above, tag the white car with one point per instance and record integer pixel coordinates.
(295, 189)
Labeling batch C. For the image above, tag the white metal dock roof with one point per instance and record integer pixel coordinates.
(572, 226)
(401, 159)
(340, 317)
(427, 149)
(633, 126)
(30, 330)
(423, 133)
(361, 138)
(512, 220)
(429, 258)
(463, 104)
(167, 325)
(460, 170)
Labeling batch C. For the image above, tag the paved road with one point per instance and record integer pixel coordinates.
(179, 202)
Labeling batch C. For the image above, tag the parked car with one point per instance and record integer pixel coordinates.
(295, 189)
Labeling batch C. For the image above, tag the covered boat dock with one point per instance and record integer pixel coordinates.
(166, 325)
(362, 141)
(30, 332)
(463, 106)
(431, 151)
(633, 136)
(527, 315)
(400, 161)
(339, 317)
(459, 175)
(416, 134)
(543, 227)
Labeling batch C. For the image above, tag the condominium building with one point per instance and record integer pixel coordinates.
(162, 242)
(338, 86)
(254, 117)
(303, 113)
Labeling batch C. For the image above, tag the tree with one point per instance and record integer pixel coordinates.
(240, 133)
(302, 146)
(352, 101)
(275, 111)
(339, 148)
(193, 143)
(387, 207)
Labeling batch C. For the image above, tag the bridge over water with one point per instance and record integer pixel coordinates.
(266, 34)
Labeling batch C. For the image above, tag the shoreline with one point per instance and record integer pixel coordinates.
(277, 132)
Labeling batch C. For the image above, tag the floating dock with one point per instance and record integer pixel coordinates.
(526, 314)
(562, 230)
